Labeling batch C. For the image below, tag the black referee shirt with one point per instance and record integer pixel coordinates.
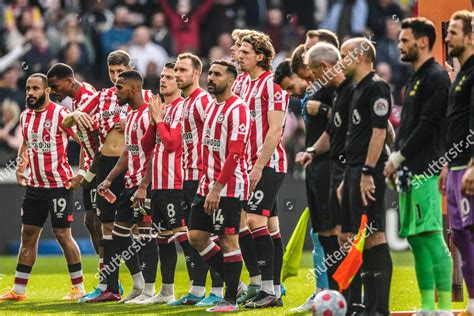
(420, 135)
(460, 111)
(316, 124)
(337, 126)
(370, 108)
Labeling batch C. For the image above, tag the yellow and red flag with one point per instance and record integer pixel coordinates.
(351, 264)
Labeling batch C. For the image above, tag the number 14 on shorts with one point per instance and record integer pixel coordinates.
(217, 219)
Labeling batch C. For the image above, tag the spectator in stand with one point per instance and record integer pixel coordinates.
(279, 31)
(160, 33)
(152, 81)
(379, 12)
(71, 32)
(10, 132)
(19, 18)
(75, 56)
(39, 58)
(137, 11)
(388, 52)
(9, 86)
(225, 41)
(119, 34)
(347, 18)
(184, 24)
(143, 51)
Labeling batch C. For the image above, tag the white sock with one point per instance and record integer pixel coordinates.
(267, 286)
(149, 289)
(138, 281)
(198, 290)
(80, 286)
(277, 290)
(219, 291)
(19, 288)
(167, 289)
(256, 280)
(102, 287)
(470, 306)
(318, 290)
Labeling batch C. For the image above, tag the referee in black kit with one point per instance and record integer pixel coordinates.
(364, 184)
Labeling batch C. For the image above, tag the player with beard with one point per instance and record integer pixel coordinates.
(363, 187)
(217, 206)
(48, 186)
(418, 143)
(63, 84)
(460, 115)
(103, 106)
(188, 69)
(322, 58)
(132, 204)
(267, 161)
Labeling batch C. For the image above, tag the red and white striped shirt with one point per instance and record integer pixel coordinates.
(241, 83)
(46, 142)
(136, 126)
(262, 95)
(165, 138)
(104, 106)
(194, 113)
(225, 123)
(88, 143)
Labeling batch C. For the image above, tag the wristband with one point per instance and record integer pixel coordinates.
(368, 170)
(81, 172)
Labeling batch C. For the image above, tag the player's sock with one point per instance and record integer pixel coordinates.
(167, 289)
(354, 294)
(22, 274)
(333, 258)
(464, 241)
(182, 238)
(75, 273)
(111, 263)
(148, 254)
(168, 260)
(213, 256)
(442, 267)
(102, 278)
(424, 272)
(217, 281)
(232, 270)
(318, 263)
(367, 277)
(247, 246)
(382, 273)
(278, 261)
(218, 291)
(265, 254)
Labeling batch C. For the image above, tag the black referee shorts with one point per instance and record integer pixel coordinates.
(352, 207)
(106, 210)
(337, 169)
(317, 194)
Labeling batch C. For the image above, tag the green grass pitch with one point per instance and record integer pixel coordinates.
(49, 282)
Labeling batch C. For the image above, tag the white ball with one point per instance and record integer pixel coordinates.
(329, 303)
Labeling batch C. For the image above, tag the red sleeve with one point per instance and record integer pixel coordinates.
(148, 140)
(68, 131)
(169, 12)
(202, 10)
(236, 149)
(90, 106)
(172, 138)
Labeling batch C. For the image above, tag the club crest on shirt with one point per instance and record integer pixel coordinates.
(356, 119)
(220, 118)
(381, 107)
(254, 93)
(47, 124)
(167, 119)
(242, 129)
(135, 126)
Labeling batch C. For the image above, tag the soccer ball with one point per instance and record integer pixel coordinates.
(329, 303)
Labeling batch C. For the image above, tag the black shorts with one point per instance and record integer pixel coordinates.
(337, 175)
(224, 221)
(89, 196)
(190, 188)
(352, 207)
(317, 194)
(263, 200)
(129, 214)
(38, 202)
(168, 208)
(106, 210)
